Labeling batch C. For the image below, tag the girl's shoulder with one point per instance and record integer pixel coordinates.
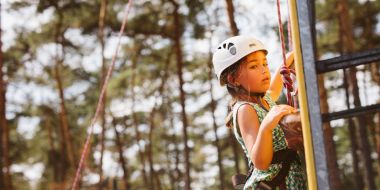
(269, 99)
(240, 104)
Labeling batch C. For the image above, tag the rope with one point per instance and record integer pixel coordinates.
(100, 102)
(290, 48)
(285, 71)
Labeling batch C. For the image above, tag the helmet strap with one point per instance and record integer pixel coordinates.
(243, 91)
(256, 94)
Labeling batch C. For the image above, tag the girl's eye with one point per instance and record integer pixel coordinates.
(253, 67)
(265, 64)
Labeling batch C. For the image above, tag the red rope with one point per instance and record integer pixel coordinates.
(285, 71)
(100, 102)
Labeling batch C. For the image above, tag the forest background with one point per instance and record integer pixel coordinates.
(162, 126)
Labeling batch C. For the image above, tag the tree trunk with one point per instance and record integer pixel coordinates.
(178, 50)
(358, 178)
(3, 121)
(53, 154)
(328, 134)
(4, 130)
(173, 174)
(122, 160)
(102, 15)
(134, 116)
(213, 108)
(231, 17)
(361, 129)
(176, 175)
(66, 151)
(235, 32)
(2, 103)
(361, 123)
(368, 34)
(375, 75)
(2, 112)
(154, 178)
(354, 144)
(170, 174)
(377, 126)
(63, 115)
(67, 148)
(150, 154)
(374, 68)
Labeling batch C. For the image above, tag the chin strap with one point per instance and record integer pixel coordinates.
(242, 90)
(256, 94)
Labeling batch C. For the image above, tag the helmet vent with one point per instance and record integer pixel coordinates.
(229, 45)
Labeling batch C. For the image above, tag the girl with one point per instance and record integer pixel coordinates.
(240, 63)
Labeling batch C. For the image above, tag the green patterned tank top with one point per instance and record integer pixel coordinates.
(295, 179)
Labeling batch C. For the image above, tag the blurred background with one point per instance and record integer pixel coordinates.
(162, 126)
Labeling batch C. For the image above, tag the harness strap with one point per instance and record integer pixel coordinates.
(285, 157)
(289, 157)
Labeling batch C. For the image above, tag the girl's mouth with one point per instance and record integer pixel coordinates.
(266, 79)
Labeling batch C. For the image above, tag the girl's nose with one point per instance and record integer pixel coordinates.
(263, 69)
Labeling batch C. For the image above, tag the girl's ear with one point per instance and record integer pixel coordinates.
(231, 79)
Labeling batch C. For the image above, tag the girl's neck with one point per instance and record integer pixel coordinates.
(255, 98)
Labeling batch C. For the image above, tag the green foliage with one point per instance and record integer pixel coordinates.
(363, 19)
(147, 57)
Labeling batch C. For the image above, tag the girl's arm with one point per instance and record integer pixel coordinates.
(258, 137)
(276, 82)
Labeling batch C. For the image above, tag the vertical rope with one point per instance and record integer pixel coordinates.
(285, 72)
(290, 48)
(100, 102)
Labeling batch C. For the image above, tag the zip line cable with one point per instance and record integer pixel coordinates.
(100, 100)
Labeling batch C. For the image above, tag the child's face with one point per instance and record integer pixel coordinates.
(254, 73)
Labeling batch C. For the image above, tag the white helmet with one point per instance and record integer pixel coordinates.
(232, 50)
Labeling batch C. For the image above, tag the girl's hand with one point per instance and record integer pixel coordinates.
(289, 59)
(276, 113)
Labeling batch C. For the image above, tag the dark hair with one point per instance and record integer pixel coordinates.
(233, 71)
(237, 92)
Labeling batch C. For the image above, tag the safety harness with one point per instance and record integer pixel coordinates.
(285, 157)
